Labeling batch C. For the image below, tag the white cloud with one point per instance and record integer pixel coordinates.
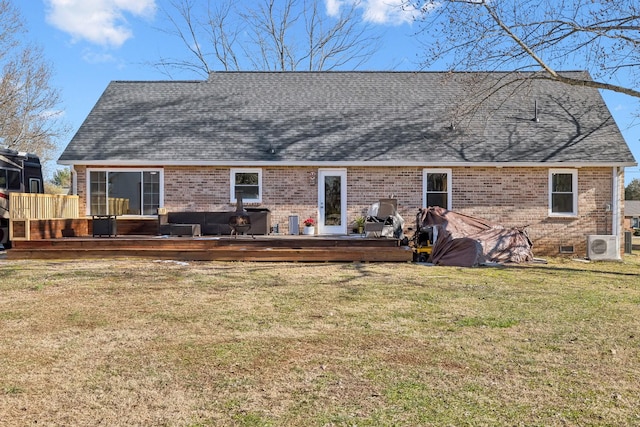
(387, 12)
(391, 12)
(333, 7)
(100, 22)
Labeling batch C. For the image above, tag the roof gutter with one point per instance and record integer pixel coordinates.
(307, 163)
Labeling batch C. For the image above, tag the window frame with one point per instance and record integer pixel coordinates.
(425, 174)
(232, 184)
(574, 192)
(160, 171)
(38, 183)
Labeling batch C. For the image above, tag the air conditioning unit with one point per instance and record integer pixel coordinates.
(603, 247)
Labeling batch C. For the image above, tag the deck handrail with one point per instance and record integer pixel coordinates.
(42, 206)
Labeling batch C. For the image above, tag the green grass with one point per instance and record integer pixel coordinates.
(133, 342)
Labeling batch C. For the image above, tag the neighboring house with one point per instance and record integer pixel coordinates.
(631, 214)
(329, 144)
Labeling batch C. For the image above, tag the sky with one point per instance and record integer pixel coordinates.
(92, 42)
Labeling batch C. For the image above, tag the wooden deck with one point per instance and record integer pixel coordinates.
(217, 248)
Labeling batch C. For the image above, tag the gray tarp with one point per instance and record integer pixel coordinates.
(466, 241)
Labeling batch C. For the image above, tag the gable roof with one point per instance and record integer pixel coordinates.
(632, 208)
(342, 117)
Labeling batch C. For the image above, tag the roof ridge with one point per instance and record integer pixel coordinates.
(157, 81)
(384, 72)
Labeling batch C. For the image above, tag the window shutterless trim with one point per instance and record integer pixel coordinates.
(574, 192)
(140, 170)
(232, 184)
(425, 173)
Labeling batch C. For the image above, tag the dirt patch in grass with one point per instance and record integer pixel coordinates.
(133, 342)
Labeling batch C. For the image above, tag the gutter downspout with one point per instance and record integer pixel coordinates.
(615, 203)
(74, 181)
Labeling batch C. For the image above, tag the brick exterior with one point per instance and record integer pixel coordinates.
(511, 196)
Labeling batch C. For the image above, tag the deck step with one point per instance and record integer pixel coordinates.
(194, 249)
(236, 254)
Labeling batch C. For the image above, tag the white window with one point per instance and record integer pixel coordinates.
(124, 191)
(247, 182)
(436, 188)
(563, 192)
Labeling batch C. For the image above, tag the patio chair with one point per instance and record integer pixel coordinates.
(392, 202)
(380, 223)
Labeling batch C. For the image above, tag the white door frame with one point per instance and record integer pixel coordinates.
(322, 227)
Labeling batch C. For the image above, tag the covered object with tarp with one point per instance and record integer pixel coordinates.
(463, 240)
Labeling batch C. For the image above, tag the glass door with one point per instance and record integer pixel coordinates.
(332, 201)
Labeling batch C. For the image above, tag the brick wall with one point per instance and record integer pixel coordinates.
(517, 197)
(196, 189)
(509, 196)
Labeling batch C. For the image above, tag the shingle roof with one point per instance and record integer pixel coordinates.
(632, 208)
(345, 117)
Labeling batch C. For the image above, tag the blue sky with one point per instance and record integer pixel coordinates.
(92, 42)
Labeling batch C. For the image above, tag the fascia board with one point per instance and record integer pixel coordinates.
(237, 163)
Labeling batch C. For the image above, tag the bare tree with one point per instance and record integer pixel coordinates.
(275, 35)
(28, 121)
(543, 36)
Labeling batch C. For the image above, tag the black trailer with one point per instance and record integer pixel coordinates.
(21, 173)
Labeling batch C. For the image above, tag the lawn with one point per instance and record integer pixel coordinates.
(134, 342)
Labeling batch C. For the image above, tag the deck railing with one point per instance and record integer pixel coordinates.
(118, 206)
(24, 206)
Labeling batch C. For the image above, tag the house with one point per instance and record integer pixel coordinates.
(631, 215)
(329, 144)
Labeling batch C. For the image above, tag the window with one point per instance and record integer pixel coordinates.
(563, 192)
(635, 222)
(10, 179)
(436, 185)
(34, 185)
(13, 179)
(124, 192)
(247, 182)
